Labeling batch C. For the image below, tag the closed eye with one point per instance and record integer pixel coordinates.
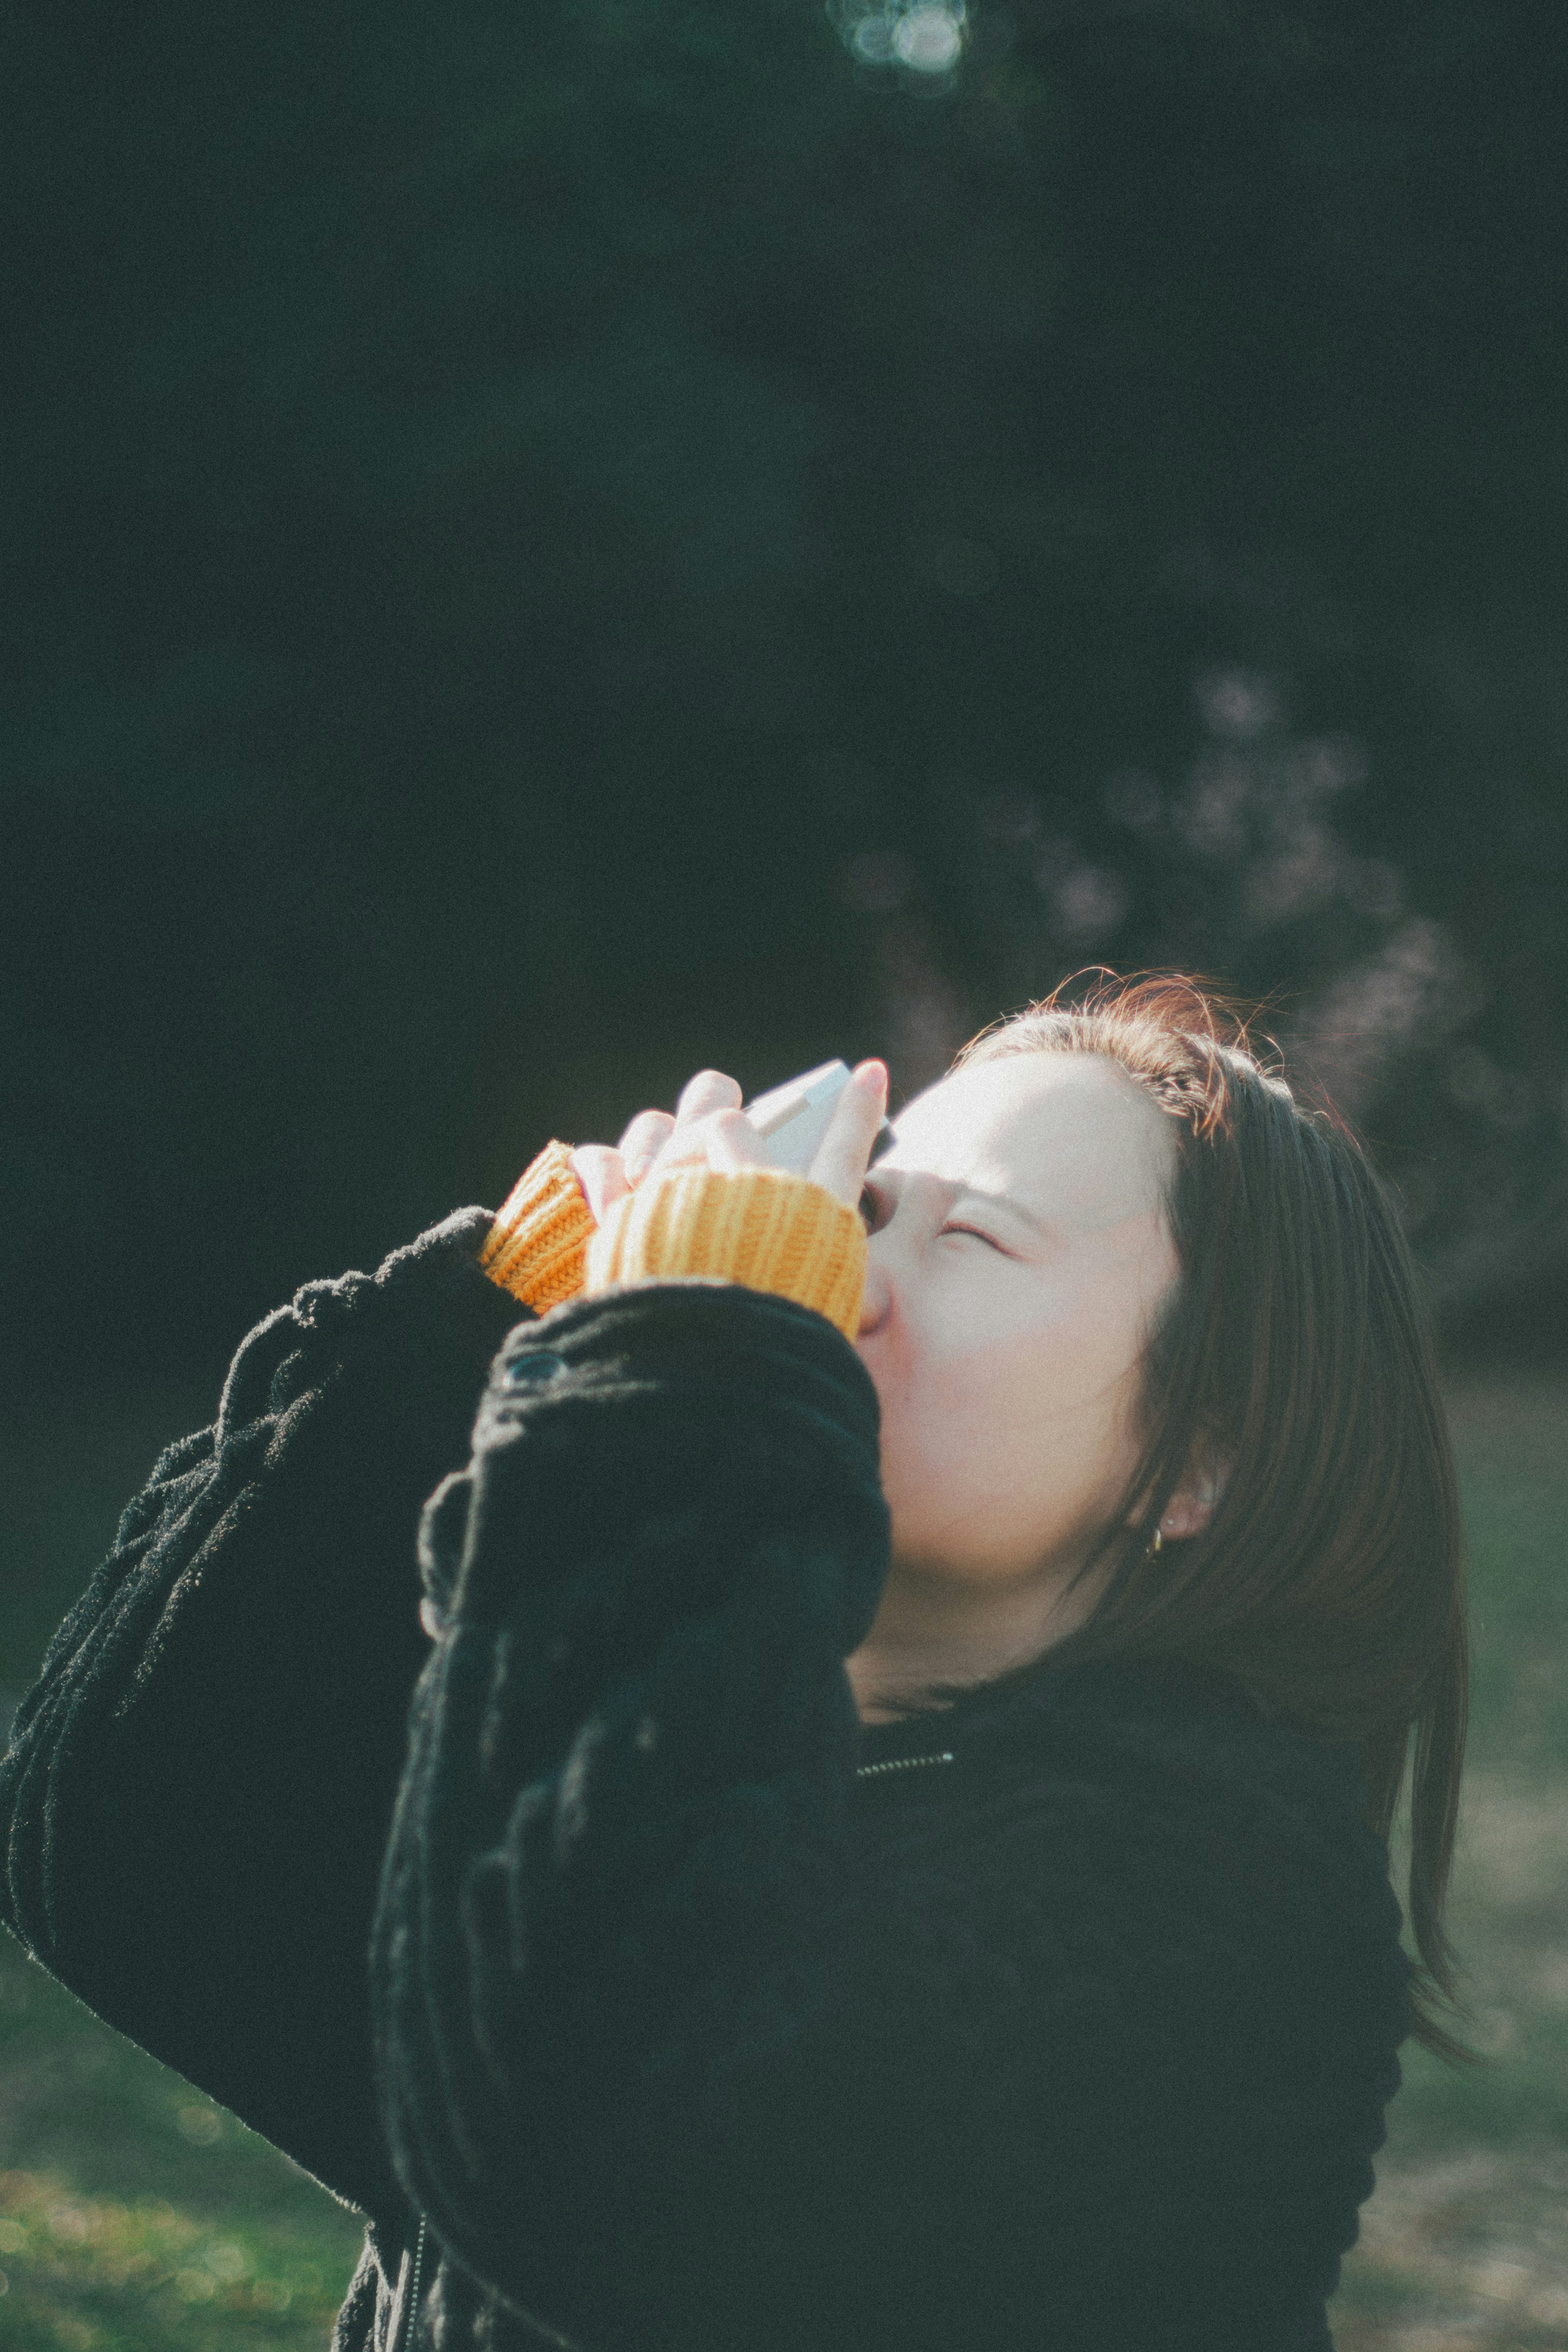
(875, 1208)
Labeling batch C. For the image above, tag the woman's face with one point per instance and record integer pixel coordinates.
(1019, 1252)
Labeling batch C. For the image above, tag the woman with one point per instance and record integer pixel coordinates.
(889, 1845)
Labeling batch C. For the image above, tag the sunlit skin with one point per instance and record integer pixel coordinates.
(1018, 1251)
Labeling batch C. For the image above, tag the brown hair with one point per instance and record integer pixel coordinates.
(1295, 1349)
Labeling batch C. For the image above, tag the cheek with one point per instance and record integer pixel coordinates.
(995, 1453)
(1051, 1383)
(977, 1440)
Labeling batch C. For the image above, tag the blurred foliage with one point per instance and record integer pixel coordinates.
(546, 548)
(144, 2276)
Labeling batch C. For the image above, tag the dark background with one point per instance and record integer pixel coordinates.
(548, 546)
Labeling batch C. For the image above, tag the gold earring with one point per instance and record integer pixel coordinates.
(1156, 1543)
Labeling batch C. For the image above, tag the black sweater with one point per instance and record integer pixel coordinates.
(583, 1928)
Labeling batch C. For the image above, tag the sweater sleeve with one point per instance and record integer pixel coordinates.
(630, 1761)
(538, 1243)
(200, 1783)
(674, 2047)
(760, 1227)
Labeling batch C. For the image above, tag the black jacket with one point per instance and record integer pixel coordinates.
(694, 2016)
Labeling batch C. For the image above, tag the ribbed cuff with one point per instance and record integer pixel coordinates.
(760, 1227)
(536, 1247)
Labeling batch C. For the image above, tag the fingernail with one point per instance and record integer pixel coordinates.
(879, 1070)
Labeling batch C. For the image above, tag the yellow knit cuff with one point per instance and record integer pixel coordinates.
(758, 1226)
(534, 1249)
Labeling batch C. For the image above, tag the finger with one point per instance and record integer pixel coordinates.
(598, 1171)
(720, 1138)
(844, 1153)
(709, 1090)
(643, 1141)
(732, 1142)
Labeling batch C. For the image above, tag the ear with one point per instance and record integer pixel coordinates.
(1192, 1506)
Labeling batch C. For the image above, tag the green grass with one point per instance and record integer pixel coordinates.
(135, 2216)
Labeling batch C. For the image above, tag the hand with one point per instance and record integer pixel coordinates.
(710, 1130)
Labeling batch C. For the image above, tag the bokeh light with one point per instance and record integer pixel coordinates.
(926, 38)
